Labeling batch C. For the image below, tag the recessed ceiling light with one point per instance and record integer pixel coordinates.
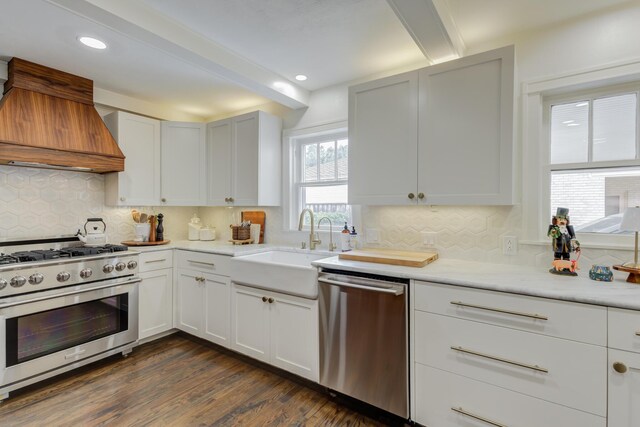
(573, 124)
(91, 42)
(582, 104)
(301, 77)
(566, 122)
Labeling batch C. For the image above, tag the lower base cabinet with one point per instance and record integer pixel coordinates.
(444, 399)
(203, 305)
(624, 388)
(278, 329)
(155, 311)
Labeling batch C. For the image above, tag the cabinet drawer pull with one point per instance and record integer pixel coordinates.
(264, 299)
(500, 359)
(202, 262)
(155, 260)
(500, 310)
(620, 367)
(638, 334)
(478, 417)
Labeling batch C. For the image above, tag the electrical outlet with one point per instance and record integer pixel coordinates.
(509, 245)
(429, 238)
(372, 235)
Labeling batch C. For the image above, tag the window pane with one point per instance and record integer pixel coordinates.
(310, 167)
(327, 201)
(614, 128)
(343, 159)
(596, 198)
(570, 133)
(327, 160)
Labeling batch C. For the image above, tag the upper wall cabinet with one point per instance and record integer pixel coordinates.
(183, 166)
(442, 134)
(139, 140)
(165, 162)
(243, 160)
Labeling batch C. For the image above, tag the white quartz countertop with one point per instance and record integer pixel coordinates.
(508, 278)
(222, 248)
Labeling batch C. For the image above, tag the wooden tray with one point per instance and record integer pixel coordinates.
(134, 243)
(241, 242)
(391, 257)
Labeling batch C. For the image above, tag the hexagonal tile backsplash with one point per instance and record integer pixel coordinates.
(44, 202)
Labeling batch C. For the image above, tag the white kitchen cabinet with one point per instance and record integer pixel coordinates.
(243, 160)
(465, 131)
(278, 329)
(139, 139)
(383, 141)
(442, 134)
(183, 164)
(624, 388)
(489, 346)
(203, 296)
(155, 301)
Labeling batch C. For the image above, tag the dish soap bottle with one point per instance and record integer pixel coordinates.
(345, 239)
(194, 228)
(353, 238)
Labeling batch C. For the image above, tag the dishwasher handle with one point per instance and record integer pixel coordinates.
(392, 290)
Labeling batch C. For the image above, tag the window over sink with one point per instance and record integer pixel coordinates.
(318, 176)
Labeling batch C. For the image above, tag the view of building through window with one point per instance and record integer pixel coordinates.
(584, 134)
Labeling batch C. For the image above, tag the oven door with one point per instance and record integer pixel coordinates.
(45, 332)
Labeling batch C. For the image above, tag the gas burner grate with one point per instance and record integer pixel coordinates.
(8, 259)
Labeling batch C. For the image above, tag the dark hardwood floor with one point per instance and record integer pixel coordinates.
(176, 381)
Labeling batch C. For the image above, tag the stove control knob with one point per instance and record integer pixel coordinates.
(85, 273)
(63, 276)
(36, 278)
(132, 264)
(120, 266)
(3, 284)
(108, 268)
(18, 281)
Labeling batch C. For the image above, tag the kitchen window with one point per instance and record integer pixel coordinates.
(319, 175)
(593, 164)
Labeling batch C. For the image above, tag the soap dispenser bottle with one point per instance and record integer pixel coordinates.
(345, 239)
(353, 238)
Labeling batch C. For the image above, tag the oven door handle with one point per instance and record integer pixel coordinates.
(65, 294)
(3, 346)
(392, 290)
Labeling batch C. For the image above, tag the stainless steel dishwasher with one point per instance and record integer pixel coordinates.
(364, 338)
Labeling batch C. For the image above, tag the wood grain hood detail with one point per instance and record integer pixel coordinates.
(47, 119)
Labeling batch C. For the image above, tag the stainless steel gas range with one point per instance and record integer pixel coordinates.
(63, 308)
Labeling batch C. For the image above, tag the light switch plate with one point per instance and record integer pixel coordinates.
(510, 245)
(429, 238)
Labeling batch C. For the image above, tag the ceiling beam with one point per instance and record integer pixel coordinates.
(141, 22)
(430, 24)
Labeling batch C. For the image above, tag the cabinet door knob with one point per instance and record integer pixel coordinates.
(264, 299)
(231, 199)
(122, 199)
(411, 196)
(620, 367)
(420, 196)
(271, 300)
(163, 200)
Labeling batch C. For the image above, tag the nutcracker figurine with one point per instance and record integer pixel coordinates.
(563, 242)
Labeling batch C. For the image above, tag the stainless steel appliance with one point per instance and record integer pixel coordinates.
(364, 338)
(63, 308)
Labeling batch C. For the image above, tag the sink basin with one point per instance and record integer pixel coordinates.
(280, 271)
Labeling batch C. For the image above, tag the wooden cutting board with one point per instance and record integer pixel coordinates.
(256, 217)
(391, 257)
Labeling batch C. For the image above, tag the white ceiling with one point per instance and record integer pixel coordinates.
(214, 57)
(330, 41)
(480, 21)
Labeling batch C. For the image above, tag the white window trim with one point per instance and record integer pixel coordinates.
(290, 140)
(535, 147)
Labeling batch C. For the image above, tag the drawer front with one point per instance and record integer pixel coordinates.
(624, 329)
(574, 321)
(204, 262)
(157, 260)
(544, 367)
(444, 399)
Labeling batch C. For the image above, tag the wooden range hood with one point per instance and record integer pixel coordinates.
(47, 119)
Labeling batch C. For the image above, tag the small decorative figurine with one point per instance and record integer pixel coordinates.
(601, 273)
(563, 242)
